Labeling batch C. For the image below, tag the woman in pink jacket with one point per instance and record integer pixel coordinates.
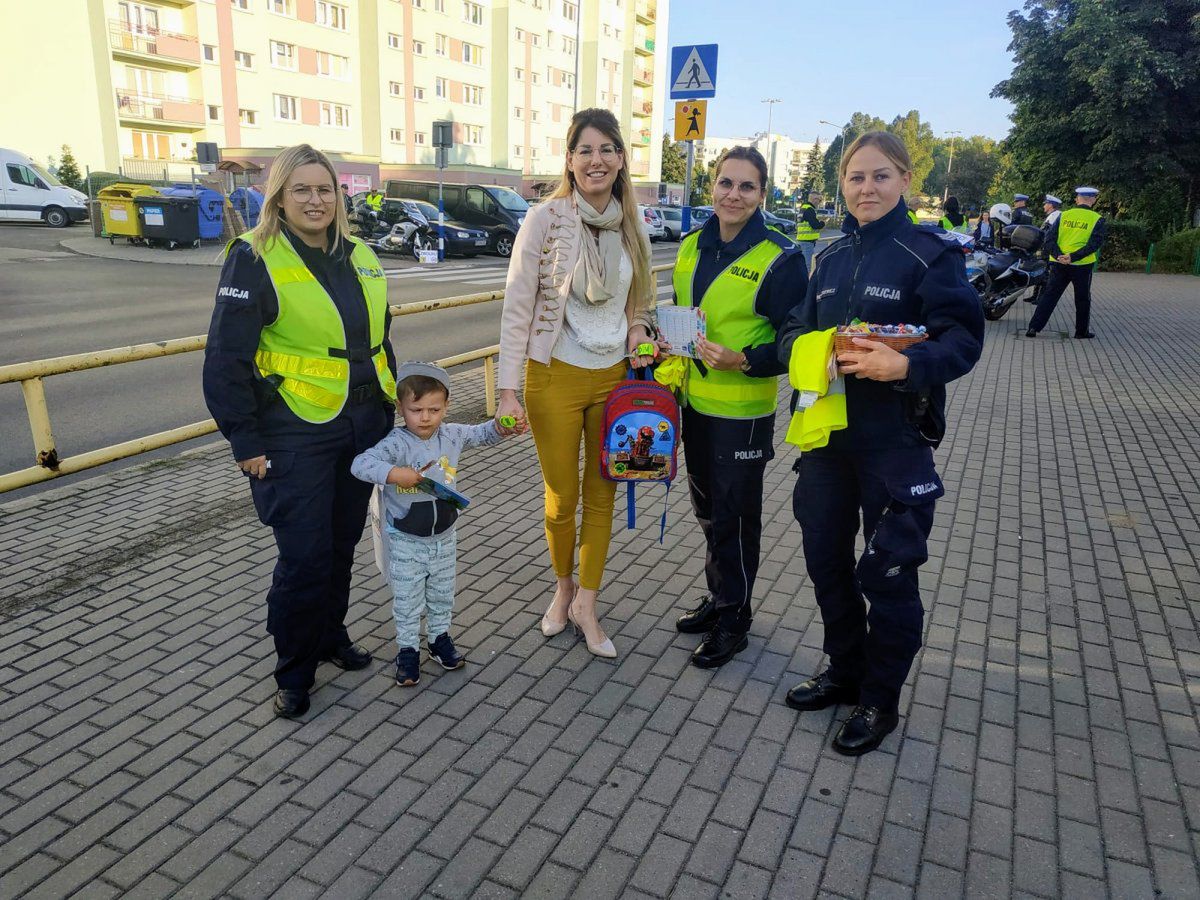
(577, 304)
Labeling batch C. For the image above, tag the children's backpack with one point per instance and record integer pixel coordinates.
(639, 440)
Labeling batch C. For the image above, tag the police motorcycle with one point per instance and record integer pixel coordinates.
(1010, 272)
(403, 230)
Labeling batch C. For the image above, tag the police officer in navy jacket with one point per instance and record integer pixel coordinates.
(886, 271)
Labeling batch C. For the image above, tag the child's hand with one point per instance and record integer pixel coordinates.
(406, 476)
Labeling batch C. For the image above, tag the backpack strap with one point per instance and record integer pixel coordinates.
(630, 506)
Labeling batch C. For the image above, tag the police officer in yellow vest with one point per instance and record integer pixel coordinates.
(745, 279)
(300, 377)
(1074, 242)
(808, 227)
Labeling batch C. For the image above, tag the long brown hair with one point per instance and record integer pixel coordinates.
(633, 236)
(271, 218)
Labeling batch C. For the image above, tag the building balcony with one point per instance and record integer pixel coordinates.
(643, 107)
(152, 45)
(646, 10)
(643, 138)
(643, 76)
(156, 109)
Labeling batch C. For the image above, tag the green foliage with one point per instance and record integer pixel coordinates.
(702, 182)
(1107, 93)
(859, 123)
(976, 163)
(1177, 252)
(814, 170)
(918, 138)
(674, 162)
(1127, 237)
(68, 170)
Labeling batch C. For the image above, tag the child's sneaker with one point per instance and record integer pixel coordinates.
(408, 667)
(443, 650)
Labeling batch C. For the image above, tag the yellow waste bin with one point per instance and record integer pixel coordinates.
(119, 212)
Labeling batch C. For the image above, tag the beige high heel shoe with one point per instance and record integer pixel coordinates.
(549, 628)
(605, 649)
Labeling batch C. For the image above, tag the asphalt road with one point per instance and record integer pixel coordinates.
(54, 303)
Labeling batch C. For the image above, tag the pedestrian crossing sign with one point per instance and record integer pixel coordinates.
(693, 72)
(690, 116)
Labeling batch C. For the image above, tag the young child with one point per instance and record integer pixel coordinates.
(420, 528)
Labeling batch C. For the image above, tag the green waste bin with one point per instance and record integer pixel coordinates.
(169, 221)
(119, 211)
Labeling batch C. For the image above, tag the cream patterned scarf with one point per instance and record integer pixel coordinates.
(598, 270)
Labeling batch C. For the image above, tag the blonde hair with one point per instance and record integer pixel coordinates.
(271, 219)
(888, 144)
(633, 236)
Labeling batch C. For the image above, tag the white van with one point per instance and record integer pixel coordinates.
(28, 192)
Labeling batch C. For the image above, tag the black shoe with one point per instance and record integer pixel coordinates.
(719, 646)
(291, 703)
(443, 650)
(351, 657)
(864, 730)
(820, 692)
(699, 620)
(1084, 337)
(1030, 333)
(408, 667)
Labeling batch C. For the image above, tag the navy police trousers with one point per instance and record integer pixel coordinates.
(1078, 277)
(894, 490)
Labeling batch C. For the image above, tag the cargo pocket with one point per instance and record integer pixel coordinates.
(899, 544)
(275, 500)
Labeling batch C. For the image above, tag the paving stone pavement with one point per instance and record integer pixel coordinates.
(1049, 745)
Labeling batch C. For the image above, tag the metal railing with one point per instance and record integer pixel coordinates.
(160, 108)
(153, 42)
(30, 376)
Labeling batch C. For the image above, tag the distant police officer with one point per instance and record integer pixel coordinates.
(1072, 242)
(808, 227)
(881, 465)
(953, 219)
(912, 211)
(1020, 212)
(1052, 207)
(745, 278)
(299, 374)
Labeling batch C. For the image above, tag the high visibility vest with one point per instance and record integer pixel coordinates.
(375, 201)
(804, 231)
(303, 351)
(912, 217)
(1075, 227)
(964, 228)
(728, 305)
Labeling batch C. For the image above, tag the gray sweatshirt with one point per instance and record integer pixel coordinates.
(408, 509)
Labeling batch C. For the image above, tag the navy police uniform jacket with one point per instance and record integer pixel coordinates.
(890, 272)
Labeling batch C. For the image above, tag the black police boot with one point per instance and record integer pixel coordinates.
(351, 657)
(1085, 336)
(1030, 333)
(291, 703)
(820, 692)
(719, 646)
(699, 620)
(864, 730)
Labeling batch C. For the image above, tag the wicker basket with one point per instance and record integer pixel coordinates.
(844, 341)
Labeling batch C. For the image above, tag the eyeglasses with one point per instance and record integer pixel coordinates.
(302, 193)
(745, 187)
(608, 152)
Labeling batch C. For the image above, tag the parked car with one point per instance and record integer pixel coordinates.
(788, 228)
(461, 238)
(652, 222)
(672, 217)
(497, 210)
(700, 215)
(29, 192)
(785, 213)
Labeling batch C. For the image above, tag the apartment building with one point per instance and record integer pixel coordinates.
(785, 157)
(138, 83)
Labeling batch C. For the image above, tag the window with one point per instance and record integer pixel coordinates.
(533, 115)
(535, 39)
(214, 113)
(331, 65)
(568, 80)
(396, 89)
(248, 116)
(568, 45)
(335, 115)
(520, 35)
(472, 12)
(243, 5)
(518, 150)
(535, 78)
(519, 74)
(518, 113)
(473, 94)
(418, 93)
(441, 88)
(393, 41)
(331, 15)
(210, 53)
(419, 138)
(418, 48)
(285, 108)
(473, 54)
(396, 135)
(569, 11)
(418, 4)
(440, 45)
(283, 56)
(22, 175)
(243, 60)
(533, 152)
(282, 7)
(474, 135)
(439, 6)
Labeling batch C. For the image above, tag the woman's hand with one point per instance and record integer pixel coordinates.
(256, 467)
(406, 476)
(509, 406)
(876, 361)
(639, 334)
(717, 357)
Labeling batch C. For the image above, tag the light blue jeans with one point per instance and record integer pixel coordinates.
(421, 573)
(807, 248)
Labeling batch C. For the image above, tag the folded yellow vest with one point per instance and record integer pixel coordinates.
(808, 372)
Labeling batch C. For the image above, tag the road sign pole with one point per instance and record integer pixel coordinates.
(686, 224)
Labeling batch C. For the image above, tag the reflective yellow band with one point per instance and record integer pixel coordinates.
(287, 364)
(317, 396)
(732, 392)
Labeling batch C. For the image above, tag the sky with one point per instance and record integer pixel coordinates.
(828, 59)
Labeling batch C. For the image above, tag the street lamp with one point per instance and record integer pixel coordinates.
(949, 166)
(837, 181)
(771, 167)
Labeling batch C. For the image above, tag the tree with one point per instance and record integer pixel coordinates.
(702, 181)
(814, 170)
(976, 162)
(1107, 93)
(68, 170)
(918, 138)
(674, 162)
(859, 123)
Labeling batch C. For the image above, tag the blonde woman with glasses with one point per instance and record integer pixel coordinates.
(300, 377)
(577, 307)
